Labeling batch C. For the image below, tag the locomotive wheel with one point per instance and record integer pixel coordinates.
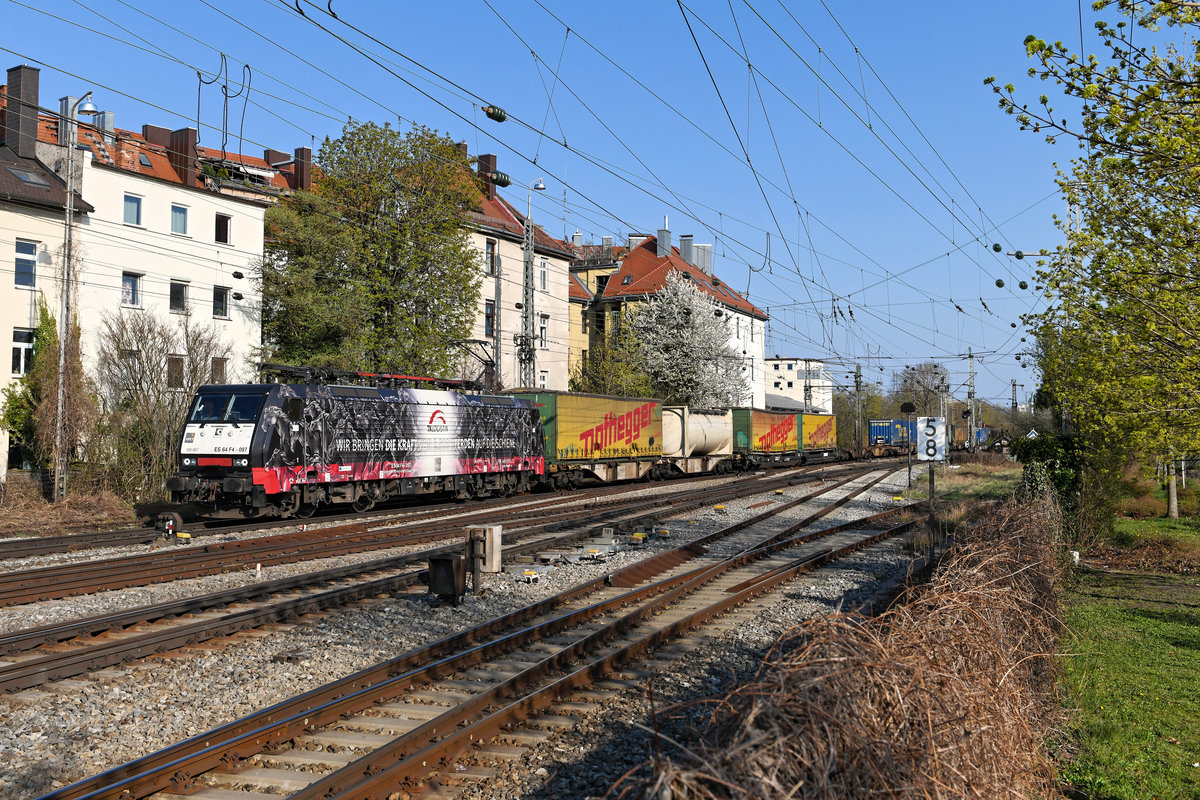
(363, 503)
(305, 510)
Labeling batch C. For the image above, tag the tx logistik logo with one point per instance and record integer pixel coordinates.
(437, 422)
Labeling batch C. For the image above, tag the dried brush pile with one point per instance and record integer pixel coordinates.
(949, 695)
(23, 510)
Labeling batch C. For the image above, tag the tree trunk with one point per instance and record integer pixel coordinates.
(1172, 494)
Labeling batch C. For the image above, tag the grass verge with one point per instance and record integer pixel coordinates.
(1157, 545)
(1131, 673)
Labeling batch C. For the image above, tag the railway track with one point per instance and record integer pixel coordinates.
(27, 545)
(427, 720)
(54, 582)
(32, 657)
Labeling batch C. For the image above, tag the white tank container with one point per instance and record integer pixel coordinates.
(691, 433)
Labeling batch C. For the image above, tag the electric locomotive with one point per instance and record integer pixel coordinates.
(280, 449)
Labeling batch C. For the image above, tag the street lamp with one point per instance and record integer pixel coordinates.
(526, 351)
(81, 106)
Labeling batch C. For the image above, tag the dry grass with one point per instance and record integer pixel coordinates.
(23, 510)
(950, 695)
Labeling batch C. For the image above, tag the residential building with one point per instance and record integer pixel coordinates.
(798, 384)
(617, 277)
(498, 234)
(163, 226)
(579, 324)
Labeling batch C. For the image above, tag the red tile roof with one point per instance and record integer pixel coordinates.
(502, 215)
(125, 149)
(577, 289)
(647, 273)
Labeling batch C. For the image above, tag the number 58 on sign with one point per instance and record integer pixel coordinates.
(931, 438)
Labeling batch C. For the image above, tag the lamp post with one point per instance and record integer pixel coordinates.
(64, 323)
(525, 349)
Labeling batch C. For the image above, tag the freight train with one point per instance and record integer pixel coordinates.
(286, 449)
(895, 437)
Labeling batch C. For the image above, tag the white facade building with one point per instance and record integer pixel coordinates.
(498, 235)
(787, 380)
(155, 231)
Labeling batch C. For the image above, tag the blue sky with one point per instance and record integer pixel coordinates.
(880, 168)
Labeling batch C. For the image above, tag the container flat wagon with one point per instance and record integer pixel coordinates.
(600, 437)
(888, 437)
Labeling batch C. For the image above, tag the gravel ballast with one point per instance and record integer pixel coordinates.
(73, 729)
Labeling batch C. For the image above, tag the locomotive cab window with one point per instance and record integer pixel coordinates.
(225, 407)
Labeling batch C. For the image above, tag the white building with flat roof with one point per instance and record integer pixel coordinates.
(798, 383)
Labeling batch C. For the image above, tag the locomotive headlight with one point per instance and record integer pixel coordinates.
(189, 462)
(241, 462)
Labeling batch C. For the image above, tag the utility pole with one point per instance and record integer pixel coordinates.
(858, 408)
(64, 316)
(526, 351)
(971, 400)
(807, 389)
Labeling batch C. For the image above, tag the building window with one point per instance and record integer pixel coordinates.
(489, 318)
(133, 209)
(131, 289)
(776, 366)
(26, 266)
(584, 316)
(179, 292)
(224, 222)
(777, 384)
(789, 384)
(221, 302)
(543, 378)
(491, 257)
(219, 366)
(174, 372)
(22, 354)
(542, 275)
(179, 219)
(790, 366)
(543, 331)
(129, 367)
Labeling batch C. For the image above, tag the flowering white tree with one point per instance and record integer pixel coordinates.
(685, 348)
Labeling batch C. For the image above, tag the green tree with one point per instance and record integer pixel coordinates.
(30, 408)
(613, 367)
(1118, 347)
(374, 268)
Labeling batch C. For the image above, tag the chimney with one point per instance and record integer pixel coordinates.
(65, 125)
(685, 248)
(155, 135)
(275, 157)
(606, 243)
(704, 258)
(636, 239)
(487, 165)
(106, 121)
(664, 242)
(21, 119)
(303, 168)
(461, 147)
(181, 151)
(577, 239)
